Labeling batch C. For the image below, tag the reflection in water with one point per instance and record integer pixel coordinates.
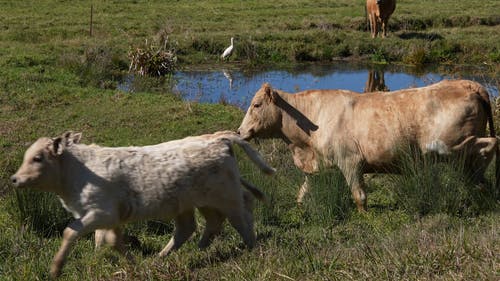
(212, 85)
(229, 77)
(375, 82)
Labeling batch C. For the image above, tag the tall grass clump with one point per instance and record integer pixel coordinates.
(429, 184)
(39, 211)
(329, 198)
(97, 64)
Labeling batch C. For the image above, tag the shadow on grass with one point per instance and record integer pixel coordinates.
(431, 36)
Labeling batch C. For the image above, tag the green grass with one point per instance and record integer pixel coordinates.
(54, 77)
(266, 32)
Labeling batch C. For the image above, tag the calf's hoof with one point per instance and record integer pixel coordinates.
(55, 271)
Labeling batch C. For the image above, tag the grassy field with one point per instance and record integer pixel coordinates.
(428, 224)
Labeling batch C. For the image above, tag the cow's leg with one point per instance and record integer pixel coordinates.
(373, 25)
(73, 231)
(358, 193)
(376, 25)
(383, 23)
(304, 188)
(214, 220)
(354, 177)
(185, 225)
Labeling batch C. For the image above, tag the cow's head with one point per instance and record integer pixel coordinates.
(41, 165)
(263, 117)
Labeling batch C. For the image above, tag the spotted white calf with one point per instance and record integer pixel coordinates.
(105, 187)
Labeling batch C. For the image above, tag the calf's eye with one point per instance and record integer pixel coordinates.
(256, 105)
(38, 158)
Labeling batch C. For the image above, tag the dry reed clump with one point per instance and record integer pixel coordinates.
(152, 61)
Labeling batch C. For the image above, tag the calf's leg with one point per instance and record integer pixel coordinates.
(248, 205)
(73, 231)
(99, 237)
(239, 218)
(214, 220)
(185, 225)
(239, 221)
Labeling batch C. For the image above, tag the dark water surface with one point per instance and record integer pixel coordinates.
(237, 87)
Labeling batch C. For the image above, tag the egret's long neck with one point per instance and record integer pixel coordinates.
(231, 41)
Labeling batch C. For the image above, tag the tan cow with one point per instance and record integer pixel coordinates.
(378, 12)
(105, 187)
(363, 133)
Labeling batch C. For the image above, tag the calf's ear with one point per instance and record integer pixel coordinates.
(56, 146)
(71, 138)
(74, 138)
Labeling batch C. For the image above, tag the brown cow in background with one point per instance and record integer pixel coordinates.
(378, 12)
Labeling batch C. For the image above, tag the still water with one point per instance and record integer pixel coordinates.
(237, 87)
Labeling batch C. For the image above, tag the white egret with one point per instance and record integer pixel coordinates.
(228, 50)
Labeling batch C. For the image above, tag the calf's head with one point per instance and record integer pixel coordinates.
(263, 117)
(41, 163)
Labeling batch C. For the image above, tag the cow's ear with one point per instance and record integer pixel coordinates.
(56, 146)
(268, 90)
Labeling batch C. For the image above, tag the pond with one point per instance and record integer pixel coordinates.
(237, 87)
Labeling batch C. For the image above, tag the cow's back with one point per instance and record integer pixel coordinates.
(439, 116)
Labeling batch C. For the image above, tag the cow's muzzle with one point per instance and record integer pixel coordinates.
(248, 135)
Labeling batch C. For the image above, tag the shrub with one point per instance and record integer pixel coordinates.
(100, 65)
(152, 60)
(379, 56)
(416, 56)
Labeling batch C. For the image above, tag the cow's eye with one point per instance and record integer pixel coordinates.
(38, 158)
(256, 105)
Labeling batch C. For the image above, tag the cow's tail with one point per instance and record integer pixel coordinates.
(485, 97)
(491, 125)
(251, 153)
